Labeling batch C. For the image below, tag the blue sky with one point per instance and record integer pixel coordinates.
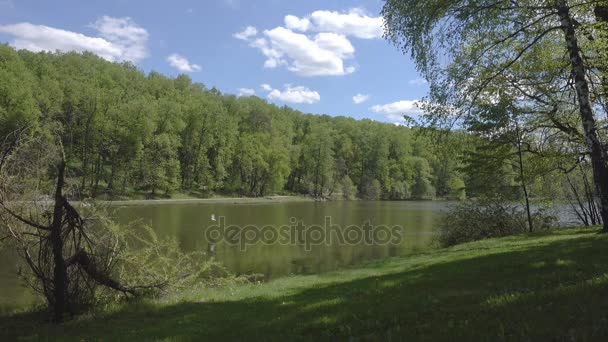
(312, 55)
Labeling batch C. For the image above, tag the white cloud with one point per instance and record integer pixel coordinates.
(247, 33)
(396, 110)
(294, 23)
(336, 43)
(360, 98)
(126, 34)
(274, 56)
(292, 94)
(354, 23)
(321, 56)
(182, 64)
(399, 107)
(418, 81)
(246, 92)
(397, 119)
(121, 39)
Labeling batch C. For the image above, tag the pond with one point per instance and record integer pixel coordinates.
(189, 223)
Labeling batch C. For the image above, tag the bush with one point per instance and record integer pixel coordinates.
(349, 190)
(371, 190)
(478, 220)
(399, 191)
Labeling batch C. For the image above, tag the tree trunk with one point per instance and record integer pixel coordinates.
(522, 175)
(60, 277)
(598, 160)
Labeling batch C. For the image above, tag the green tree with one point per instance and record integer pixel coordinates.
(317, 153)
(534, 52)
(17, 102)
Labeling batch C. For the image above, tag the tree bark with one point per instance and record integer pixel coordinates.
(60, 277)
(598, 155)
(522, 175)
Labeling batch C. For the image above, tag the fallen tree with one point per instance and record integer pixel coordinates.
(73, 259)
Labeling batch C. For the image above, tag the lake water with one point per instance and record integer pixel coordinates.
(188, 223)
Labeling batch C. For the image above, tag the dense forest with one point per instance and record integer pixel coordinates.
(129, 134)
(126, 132)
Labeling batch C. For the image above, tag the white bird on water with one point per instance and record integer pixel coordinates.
(213, 217)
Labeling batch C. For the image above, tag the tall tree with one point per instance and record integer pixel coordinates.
(494, 44)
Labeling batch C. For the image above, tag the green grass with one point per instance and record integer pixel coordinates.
(549, 286)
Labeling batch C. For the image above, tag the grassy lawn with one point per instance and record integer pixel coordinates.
(550, 286)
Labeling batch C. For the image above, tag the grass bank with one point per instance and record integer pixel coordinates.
(544, 286)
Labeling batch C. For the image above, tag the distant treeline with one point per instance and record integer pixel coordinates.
(125, 132)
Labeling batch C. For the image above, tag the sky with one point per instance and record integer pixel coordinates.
(321, 57)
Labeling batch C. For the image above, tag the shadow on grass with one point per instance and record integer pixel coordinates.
(556, 291)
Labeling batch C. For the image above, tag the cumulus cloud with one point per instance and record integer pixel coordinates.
(336, 43)
(399, 107)
(322, 55)
(246, 92)
(294, 23)
(247, 33)
(120, 39)
(126, 34)
(317, 44)
(182, 64)
(274, 57)
(396, 110)
(354, 23)
(360, 98)
(291, 94)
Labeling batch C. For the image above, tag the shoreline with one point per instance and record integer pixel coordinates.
(244, 200)
(213, 200)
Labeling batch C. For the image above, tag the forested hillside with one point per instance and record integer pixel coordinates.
(125, 133)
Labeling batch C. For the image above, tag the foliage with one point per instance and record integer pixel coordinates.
(127, 133)
(371, 190)
(478, 220)
(523, 73)
(73, 257)
(349, 190)
(154, 265)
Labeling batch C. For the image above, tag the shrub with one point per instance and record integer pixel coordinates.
(349, 190)
(478, 220)
(371, 190)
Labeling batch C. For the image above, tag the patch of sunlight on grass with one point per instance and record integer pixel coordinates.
(562, 262)
(538, 264)
(599, 280)
(325, 320)
(324, 303)
(390, 283)
(504, 299)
